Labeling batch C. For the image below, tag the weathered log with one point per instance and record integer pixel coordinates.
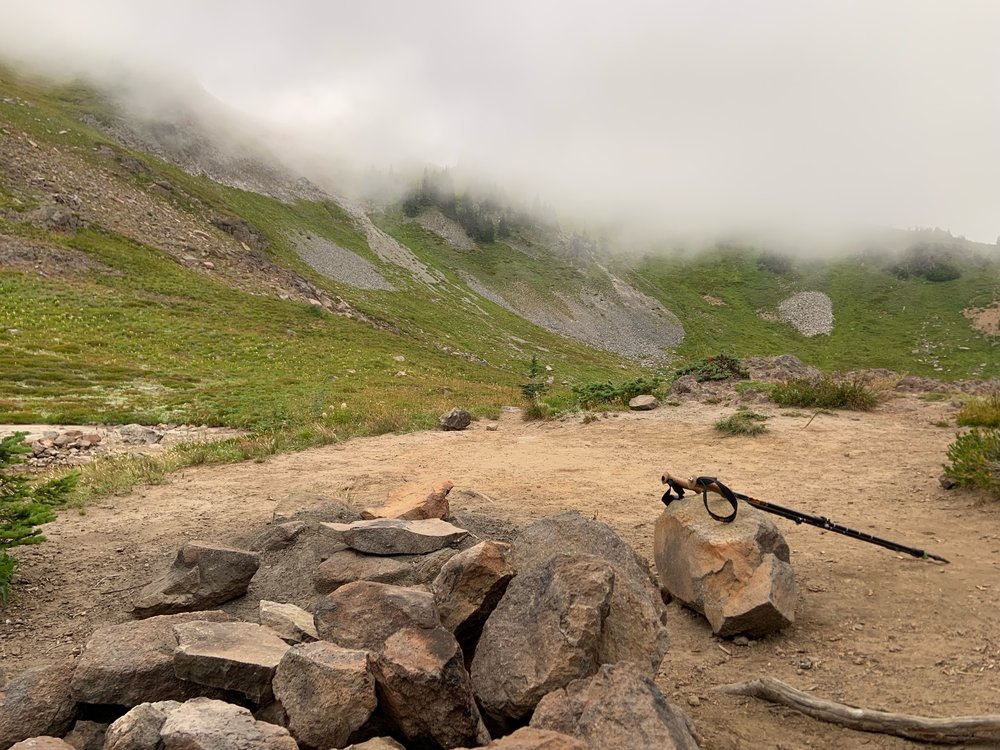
(951, 730)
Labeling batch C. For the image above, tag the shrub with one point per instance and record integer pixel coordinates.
(825, 393)
(980, 412)
(23, 506)
(535, 411)
(743, 422)
(974, 460)
(719, 367)
(594, 394)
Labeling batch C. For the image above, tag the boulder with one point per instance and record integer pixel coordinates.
(290, 623)
(686, 385)
(238, 656)
(202, 576)
(133, 663)
(349, 565)
(737, 574)
(198, 724)
(413, 502)
(364, 613)
(87, 735)
(646, 402)
(279, 536)
(327, 692)
(37, 703)
(529, 738)
(42, 743)
(137, 434)
(393, 536)
(544, 633)
(468, 589)
(425, 690)
(619, 708)
(377, 743)
(635, 627)
(456, 419)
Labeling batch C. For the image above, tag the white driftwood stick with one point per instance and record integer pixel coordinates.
(951, 730)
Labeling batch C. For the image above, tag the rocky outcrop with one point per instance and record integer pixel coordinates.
(619, 708)
(737, 574)
(363, 614)
(544, 633)
(391, 536)
(414, 502)
(327, 693)
(202, 576)
(37, 703)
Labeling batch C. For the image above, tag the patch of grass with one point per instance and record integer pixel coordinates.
(980, 411)
(535, 411)
(825, 393)
(974, 460)
(934, 396)
(717, 367)
(743, 422)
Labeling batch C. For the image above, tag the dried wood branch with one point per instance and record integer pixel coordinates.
(950, 730)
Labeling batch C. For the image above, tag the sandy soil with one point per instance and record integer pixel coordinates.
(873, 628)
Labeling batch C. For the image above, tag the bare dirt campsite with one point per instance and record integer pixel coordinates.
(873, 628)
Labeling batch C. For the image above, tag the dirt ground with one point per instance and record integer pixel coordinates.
(873, 628)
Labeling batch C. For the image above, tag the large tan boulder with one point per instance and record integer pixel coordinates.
(635, 629)
(363, 614)
(737, 574)
(619, 708)
(425, 690)
(529, 738)
(414, 502)
(133, 663)
(544, 633)
(42, 743)
(327, 692)
(203, 575)
(37, 703)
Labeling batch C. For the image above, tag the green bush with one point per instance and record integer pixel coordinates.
(23, 506)
(590, 395)
(825, 393)
(974, 460)
(719, 367)
(743, 422)
(980, 412)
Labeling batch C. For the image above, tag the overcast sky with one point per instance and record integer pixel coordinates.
(695, 114)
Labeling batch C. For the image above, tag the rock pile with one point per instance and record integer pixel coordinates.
(811, 313)
(562, 628)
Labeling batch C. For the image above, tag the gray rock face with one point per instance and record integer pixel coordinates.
(37, 703)
(544, 633)
(425, 689)
(133, 663)
(349, 565)
(618, 707)
(634, 630)
(469, 587)
(202, 576)
(199, 724)
(238, 656)
(456, 419)
(392, 536)
(737, 574)
(327, 692)
(363, 614)
(413, 502)
(643, 403)
(290, 623)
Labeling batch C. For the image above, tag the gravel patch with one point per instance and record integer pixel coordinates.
(340, 264)
(451, 231)
(811, 313)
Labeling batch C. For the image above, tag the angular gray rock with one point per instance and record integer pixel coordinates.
(393, 536)
(618, 708)
(413, 502)
(350, 565)
(290, 623)
(454, 420)
(737, 574)
(133, 663)
(238, 656)
(198, 724)
(363, 614)
(469, 587)
(279, 536)
(37, 703)
(327, 692)
(425, 690)
(202, 576)
(647, 402)
(544, 633)
(635, 627)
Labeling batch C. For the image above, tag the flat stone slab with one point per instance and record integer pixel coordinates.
(393, 536)
(413, 502)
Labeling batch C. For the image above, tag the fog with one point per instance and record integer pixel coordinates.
(678, 118)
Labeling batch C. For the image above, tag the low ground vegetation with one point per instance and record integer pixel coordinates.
(974, 460)
(743, 422)
(825, 393)
(981, 411)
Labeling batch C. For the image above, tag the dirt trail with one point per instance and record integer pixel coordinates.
(873, 628)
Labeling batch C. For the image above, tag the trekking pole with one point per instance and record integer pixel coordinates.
(704, 485)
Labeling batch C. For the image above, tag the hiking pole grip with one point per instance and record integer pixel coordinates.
(704, 485)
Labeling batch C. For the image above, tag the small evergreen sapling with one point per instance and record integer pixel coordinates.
(23, 506)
